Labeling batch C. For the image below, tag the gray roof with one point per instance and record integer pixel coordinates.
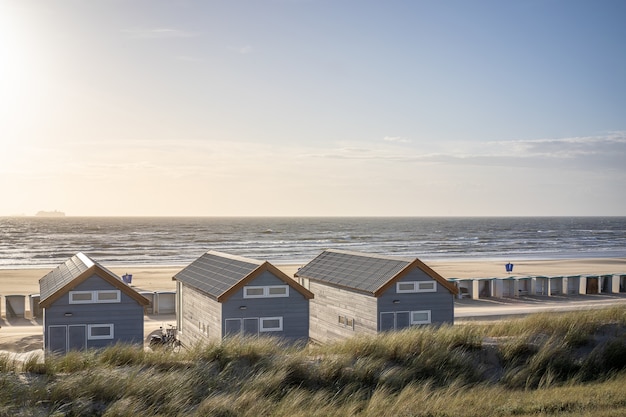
(63, 274)
(73, 271)
(355, 270)
(217, 272)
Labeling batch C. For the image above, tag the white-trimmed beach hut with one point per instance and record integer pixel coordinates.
(360, 293)
(220, 295)
(87, 306)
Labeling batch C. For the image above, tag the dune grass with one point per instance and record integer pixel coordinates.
(548, 364)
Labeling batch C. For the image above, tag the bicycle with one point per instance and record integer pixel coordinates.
(167, 339)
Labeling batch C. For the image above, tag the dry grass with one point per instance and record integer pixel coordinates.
(549, 364)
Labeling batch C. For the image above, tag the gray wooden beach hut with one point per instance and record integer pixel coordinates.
(364, 293)
(87, 306)
(221, 294)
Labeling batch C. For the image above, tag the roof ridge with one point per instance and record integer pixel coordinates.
(86, 260)
(371, 255)
(235, 257)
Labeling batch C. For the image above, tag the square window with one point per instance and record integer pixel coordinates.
(420, 317)
(271, 324)
(100, 331)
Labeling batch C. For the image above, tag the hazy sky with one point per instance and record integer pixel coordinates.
(313, 107)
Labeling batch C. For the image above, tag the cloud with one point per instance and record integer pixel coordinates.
(398, 139)
(592, 152)
(158, 33)
(245, 49)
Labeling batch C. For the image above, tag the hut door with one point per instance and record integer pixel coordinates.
(251, 326)
(387, 321)
(77, 337)
(57, 339)
(592, 285)
(232, 327)
(394, 320)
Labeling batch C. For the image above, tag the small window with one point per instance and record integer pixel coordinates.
(251, 292)
(427, 286)
(342, 320)
(109, 296)
(278, 291)
(271, 324)
(100, 296)
(416, 286)
(99, 331)
(81, 297)
(420, 317)
(406, 287)
(266, 291)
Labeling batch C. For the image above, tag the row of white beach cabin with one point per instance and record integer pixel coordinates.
(336, 295)
(516, 286)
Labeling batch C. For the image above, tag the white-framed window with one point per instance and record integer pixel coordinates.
(420, 317)
(416, 286)
(267, 291)
(100, 331)
(98, 296)
(271, 324)
(81, 297)
(108, 296)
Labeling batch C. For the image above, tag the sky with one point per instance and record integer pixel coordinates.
(313, 107)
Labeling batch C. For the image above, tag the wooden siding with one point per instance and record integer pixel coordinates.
(126, 316)
(199, 312)
(330, 303)
(293, 309)
(440, 303)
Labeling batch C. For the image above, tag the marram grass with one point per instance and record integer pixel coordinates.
(550, 364)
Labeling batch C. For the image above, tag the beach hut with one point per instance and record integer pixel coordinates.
(509, 286)
(541, 285)
(592, 284)
(359, 293)
(622, 282)
(572, 283)
(220, 295)
(555, 285)
(87, 306)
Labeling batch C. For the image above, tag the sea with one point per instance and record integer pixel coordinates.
(40, 242)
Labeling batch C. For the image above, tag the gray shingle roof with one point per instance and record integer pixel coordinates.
(217, 272)
(73, 271)
(64, 274)
(359, 271)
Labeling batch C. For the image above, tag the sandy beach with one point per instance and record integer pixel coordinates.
(20, 335)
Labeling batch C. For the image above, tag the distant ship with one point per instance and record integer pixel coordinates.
(54, 213)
